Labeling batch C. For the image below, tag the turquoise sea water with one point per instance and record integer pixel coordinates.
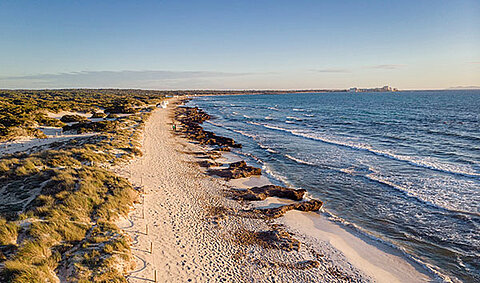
(402, 167)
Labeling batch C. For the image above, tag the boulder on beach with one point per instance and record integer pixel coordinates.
(237, 170)
(208, 163)
(190, 119)
(261, 193)
(275, 212)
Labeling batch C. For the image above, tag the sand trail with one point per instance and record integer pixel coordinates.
(173, 220)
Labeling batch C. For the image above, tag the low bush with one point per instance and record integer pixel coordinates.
(70, 204)
(73, 118)
(87, 127)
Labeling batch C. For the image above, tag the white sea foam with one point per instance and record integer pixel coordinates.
(424, 162)
(298, 160)
(428, 267)
(267, 148)
(294, 118)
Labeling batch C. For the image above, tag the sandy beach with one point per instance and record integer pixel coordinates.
(185, 229)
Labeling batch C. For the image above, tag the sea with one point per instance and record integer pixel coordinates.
(401, 167)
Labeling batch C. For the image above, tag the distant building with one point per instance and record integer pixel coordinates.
(378, 89)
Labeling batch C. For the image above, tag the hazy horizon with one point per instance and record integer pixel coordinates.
(281, 45)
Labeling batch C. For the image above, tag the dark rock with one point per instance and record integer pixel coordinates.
(209, 163)
(275, 212)
(191, 118)
(213, 154)
(237, 170)
(261, 193)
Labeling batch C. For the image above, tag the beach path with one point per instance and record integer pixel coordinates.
(170, 235)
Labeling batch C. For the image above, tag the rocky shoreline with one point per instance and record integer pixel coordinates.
(189, 121)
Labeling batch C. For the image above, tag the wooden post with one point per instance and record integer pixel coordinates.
(151, 247)
(146, 229)
(155, 276)
(143, 213)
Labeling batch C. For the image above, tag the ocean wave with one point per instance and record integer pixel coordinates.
(418, 162)
(433, 270)
(214, 123)
(372, 175)
(298, 109)
(271, 150)
(294, 118)
(461, 135)
(243, 133)
(272, 174)
(267, 169)
(298, 160)
(275, 175)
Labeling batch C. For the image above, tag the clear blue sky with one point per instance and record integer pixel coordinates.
(239, 44)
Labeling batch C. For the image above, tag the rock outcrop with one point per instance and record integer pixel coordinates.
(191, 118)
(275, 212)
(209, 163)
(261, 193)
(237, 170)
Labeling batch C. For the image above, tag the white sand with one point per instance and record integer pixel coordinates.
(29, 145)
(191, 244)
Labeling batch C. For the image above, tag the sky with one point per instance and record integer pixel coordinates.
(274, 44)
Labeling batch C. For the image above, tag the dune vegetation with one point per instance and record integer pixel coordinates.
(59, 204)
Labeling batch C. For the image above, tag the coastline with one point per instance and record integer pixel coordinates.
(179, 219)
(377, 260)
